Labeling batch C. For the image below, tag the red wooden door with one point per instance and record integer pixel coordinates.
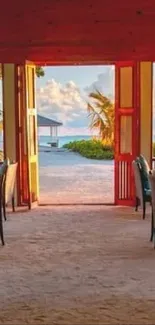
(126, 130)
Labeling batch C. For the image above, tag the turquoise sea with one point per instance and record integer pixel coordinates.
(43, 140)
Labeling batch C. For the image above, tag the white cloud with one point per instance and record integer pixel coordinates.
(62, 102)
(105, 82)
(68, 104)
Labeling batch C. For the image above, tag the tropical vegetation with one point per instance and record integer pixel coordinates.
(101, 115)
(40, 71)
(93, 149)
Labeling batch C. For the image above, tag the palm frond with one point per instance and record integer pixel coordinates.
(101, 113)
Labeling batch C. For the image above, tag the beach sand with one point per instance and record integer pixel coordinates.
(77, 265)
(67, 177)
(82, 265)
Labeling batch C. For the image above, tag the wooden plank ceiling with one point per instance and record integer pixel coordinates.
(77, 31)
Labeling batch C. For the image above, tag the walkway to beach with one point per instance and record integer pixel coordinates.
(77, 265)
(66, 177)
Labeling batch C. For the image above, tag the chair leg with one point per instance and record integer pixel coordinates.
(1, 226)
(4, 211)
(137, 204)
(152, 227)
(154, 238)
(13, 204)
(144, 209)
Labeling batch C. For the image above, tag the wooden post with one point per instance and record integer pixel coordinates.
(146, 99)
(51, 131)
(10, 107)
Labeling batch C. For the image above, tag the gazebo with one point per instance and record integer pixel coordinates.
(52, 125)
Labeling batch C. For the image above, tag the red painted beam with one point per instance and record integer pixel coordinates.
(82, 19)
(77, 31)
(89, 32)
(75, 9)
(50, 57)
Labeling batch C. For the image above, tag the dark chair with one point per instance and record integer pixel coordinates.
(3, 170)
(152, 183)
(143, 195)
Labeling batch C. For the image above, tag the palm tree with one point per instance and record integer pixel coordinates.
(101, 113)
(39, 71)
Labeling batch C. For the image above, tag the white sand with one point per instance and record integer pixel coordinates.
(77, 265)
(66, 177)
(83, 265)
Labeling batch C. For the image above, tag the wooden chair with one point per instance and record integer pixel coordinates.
(9, 187)
(142, 195)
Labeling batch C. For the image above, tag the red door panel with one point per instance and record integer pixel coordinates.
(126, 130)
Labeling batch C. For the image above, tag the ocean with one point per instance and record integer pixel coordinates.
(43, 140)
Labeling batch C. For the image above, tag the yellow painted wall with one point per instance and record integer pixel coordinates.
(146, 71)
(9, 110)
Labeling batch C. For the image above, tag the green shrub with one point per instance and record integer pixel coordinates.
(93, 149)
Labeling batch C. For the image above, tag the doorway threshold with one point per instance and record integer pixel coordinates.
(76, 204)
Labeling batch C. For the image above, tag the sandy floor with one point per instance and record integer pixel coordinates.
(83, 265)
(66, 177)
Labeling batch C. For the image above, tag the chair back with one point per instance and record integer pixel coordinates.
(10, 181)
(144, 169)
(152, 183)
(3, 170)
(138, 181)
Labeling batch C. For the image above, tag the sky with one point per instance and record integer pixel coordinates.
(62, 94)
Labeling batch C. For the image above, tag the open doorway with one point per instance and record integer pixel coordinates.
(64, 96)
(128, 110)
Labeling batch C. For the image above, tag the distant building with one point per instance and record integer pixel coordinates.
(53, 125)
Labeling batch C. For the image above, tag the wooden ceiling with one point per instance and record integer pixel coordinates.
(77, 31)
